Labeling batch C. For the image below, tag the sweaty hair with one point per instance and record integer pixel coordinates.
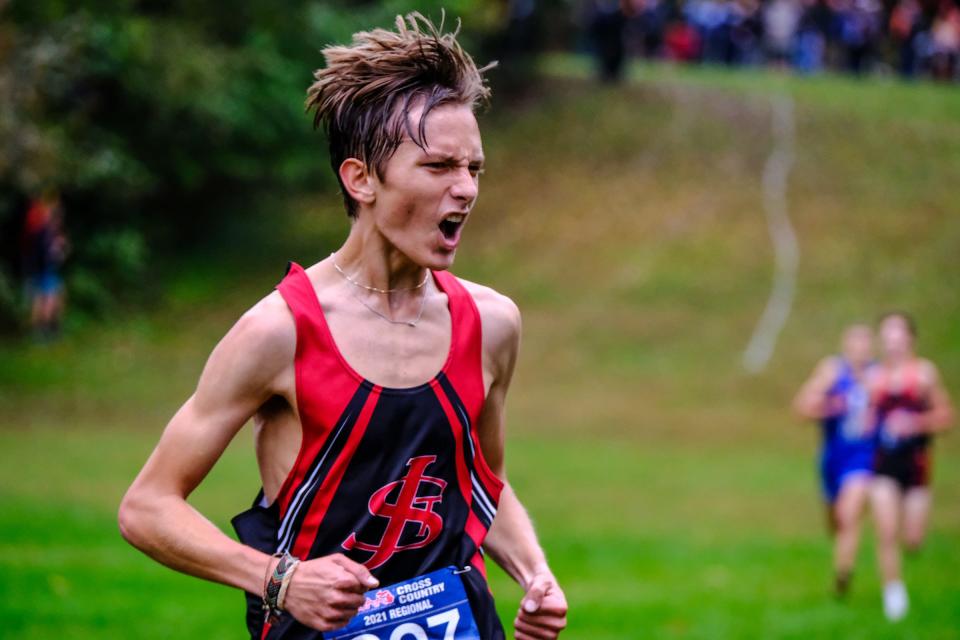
(363, 97)
(908, 320)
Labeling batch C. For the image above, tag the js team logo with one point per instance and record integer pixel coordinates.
(410, 506)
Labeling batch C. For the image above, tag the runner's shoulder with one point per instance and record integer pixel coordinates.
(829, 367)
(495, 308)
(499, 315)
(265, 337)
(929, 374)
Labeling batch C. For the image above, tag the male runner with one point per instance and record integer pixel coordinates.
(377, 383)
(836, 396)
(910, 405)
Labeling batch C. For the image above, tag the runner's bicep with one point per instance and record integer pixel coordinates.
(501, 347)
(940, 402)
(189, 447)
(490, 430)
(239, 376)
(245, 368)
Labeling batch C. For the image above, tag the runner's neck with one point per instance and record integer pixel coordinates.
(372, 261)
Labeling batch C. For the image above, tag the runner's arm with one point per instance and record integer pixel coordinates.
(939, 416)
(811, 401)
(512, 541)
(154, 515)
(243, 372)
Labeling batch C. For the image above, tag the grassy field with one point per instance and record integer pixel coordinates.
(673, 492)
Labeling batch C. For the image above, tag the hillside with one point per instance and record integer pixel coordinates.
(673, 490)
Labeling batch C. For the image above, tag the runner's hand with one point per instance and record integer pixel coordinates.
(834, 406)
(902, 424)
(326, 592)
(543, 609)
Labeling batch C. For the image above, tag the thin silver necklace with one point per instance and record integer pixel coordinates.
(375, 289)
(409, 323)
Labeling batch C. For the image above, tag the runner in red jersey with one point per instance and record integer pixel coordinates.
(910, 405)
(376, 381)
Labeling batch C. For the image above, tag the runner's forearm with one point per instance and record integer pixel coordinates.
(512, 541)
(935, 420)
(172, 532)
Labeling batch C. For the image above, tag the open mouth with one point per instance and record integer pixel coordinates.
(451, 224)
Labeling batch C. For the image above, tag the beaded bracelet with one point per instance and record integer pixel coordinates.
(275, 583)
(285, 584)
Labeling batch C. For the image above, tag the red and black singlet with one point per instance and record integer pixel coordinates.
(905, 459)
(907, 397)
(391, 478)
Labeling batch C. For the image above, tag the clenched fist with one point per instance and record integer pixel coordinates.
(326, 592)
(543, 610)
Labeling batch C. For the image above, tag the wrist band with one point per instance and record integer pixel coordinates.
(275, 583)
(285, 583)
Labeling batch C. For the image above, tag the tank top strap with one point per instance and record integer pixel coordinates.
(465, 367)
(317, 356)
(297, 291)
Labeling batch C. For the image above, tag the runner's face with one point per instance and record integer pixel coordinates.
(426, 195)
(895, 336)
(858, 345)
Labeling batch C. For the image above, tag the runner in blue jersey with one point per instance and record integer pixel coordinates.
(836, 395)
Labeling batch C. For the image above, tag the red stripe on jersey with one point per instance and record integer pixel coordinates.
(463, 473)
(465, 371)
(477, 563)
(321, 502)
(317, 366)
(314, 430)
(475, 529)
(312, 441)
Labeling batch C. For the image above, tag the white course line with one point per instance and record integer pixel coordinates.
(776, 171)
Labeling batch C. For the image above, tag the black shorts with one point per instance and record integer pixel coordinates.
(909, 467)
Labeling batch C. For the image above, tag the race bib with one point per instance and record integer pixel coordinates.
(433, 606)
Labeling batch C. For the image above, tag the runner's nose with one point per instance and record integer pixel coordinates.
(465, 186)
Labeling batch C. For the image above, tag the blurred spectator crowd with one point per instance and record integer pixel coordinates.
(908, 37)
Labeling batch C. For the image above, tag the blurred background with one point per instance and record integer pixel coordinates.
(688, 200)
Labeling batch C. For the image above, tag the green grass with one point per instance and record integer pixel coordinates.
(675, 494)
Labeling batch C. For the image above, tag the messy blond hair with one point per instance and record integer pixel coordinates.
(363, 97)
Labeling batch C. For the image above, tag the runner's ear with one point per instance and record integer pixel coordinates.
(357, 181)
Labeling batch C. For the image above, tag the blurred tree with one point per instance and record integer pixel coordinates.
(156, 119)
